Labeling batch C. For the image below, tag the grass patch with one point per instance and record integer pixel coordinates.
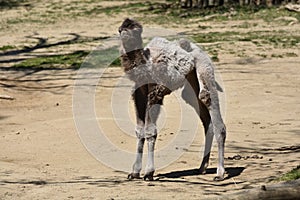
(103, 58)
(216, 37)
(263, 55)
(72, 60)
(292, 175)
(245, 25)
(99, 58)
(8, 4)
(114, 9)
(291, 54)
(7, 47)
(222, 13)
(273, 55)
(278, 39)
(154, 12)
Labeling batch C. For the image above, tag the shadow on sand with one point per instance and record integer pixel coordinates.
(231, 172)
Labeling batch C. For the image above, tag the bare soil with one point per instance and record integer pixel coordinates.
(42, 156)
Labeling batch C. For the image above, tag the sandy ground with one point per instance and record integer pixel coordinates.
(42, 156)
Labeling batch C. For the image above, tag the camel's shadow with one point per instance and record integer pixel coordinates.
(231, 172)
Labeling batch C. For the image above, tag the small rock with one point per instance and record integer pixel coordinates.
(57, 104)
(270, 159)
(185, 149)
(255, 123)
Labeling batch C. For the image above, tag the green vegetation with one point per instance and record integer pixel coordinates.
(292, 175)
(224, 13)
(273, 55)
(276, 39)
(161, 13)
(7, 47)
(156, 12)
(75, 60)
(10, 3)
(291, 54)
(103, 58)
(72, 60)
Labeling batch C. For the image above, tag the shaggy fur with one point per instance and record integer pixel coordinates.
(158, 69)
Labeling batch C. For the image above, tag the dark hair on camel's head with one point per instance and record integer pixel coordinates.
(130, 24)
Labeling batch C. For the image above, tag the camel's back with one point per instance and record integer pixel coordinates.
(170, 63)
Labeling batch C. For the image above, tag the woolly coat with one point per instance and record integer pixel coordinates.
(168, 64)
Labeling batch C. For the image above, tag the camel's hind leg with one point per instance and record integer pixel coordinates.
(192, 89)
(209, 134)
(140, 100)
(209, 96)
(219, 130)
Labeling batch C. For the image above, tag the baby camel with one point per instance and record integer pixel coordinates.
(158, 69)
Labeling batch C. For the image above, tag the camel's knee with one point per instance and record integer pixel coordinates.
(150, 132)
(139, 131)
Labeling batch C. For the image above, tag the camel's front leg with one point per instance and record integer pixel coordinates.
(137, 166)
(151, 134)
(140, 101)
(155, 98)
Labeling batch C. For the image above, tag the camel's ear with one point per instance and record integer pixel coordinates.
(139, 30)
(137, 25)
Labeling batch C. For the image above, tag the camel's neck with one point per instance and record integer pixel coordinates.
(133, 59)
(133, 44)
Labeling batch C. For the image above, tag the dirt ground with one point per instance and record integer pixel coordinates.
(42, 156)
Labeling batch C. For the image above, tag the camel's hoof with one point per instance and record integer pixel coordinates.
(134, 176)
(219, 178)
(149, 176)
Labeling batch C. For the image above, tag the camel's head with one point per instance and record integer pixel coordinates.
(131, 34)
